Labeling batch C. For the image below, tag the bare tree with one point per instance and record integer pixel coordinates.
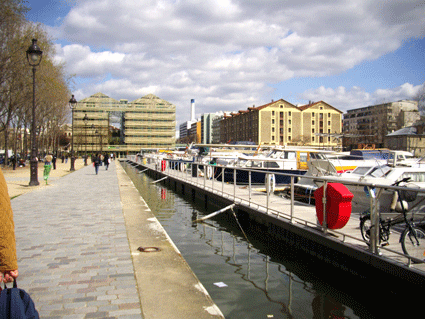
(16, 76)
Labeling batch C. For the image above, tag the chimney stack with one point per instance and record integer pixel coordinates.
(192, 110)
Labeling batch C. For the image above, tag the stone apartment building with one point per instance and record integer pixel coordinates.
(148, 122)
(282, 123)
(369, 126)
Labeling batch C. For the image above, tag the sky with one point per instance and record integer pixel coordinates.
(229, 55)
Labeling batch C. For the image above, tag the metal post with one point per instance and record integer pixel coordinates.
(34, 56)
(374, 222)
(249, 181)
(212, 177)
(85, 119)
(34, 160)
(267, 177)
(205, 175)
(292, 198)
(222, 180)
(72, 142)
(234, 183)
(324, 224)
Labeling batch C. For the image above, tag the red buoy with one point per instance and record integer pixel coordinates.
(338, 205)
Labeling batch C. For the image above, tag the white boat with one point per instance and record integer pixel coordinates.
(378, 171)
(382, 175)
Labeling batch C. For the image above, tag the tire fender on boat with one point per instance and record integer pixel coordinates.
(270, 183)
(209, 172)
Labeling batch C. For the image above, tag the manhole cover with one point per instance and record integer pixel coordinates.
(148, 249)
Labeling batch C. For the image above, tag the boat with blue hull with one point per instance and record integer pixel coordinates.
(254, 169)
(258, 176)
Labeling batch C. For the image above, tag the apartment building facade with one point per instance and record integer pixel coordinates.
(148, 122)
(282, 123)
(369, 126)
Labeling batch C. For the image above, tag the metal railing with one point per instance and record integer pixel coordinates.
(198, 174)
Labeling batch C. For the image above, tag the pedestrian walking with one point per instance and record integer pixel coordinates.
(106, 161)
(8, 258)
(54, 161)
(47, 166)
(96, 163)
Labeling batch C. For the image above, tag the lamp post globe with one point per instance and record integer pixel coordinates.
(72, 105)
(34, 55)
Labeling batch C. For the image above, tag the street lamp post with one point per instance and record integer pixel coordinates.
(85, 119)
(72, 105)
(93, 129)
(34, 55)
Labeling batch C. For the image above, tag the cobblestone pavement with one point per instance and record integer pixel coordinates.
(73, 252)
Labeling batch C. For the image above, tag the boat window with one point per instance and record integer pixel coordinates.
(379, 171)
(272, 154)
(361, 170)
(243, 163)
(271, 165)
(303, 157)
(255, 164)
(414, 176)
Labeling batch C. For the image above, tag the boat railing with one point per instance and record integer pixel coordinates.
(197, 174)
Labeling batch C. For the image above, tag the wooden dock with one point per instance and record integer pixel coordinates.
(297, 223)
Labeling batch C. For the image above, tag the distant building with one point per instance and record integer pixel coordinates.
(368, 126)
(208, 129)
(410, 139)
(184, 130)
(195, 132)
(282, 123)
(148, 122)
(215, 134)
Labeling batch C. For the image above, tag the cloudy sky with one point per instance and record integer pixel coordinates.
(232, 54)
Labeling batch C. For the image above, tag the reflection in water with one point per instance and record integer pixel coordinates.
(264, 278)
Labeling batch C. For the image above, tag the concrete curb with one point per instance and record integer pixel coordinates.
(168, 288)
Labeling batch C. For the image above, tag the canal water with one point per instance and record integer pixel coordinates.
(249, 275)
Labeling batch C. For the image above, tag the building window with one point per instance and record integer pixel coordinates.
(289, 113)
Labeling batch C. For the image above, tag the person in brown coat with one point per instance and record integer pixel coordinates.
(8, 258)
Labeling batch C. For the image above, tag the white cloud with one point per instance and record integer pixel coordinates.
(357, 97)
(226, 53)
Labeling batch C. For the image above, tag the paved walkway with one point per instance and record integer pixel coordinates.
(73, 251)
(77, 252)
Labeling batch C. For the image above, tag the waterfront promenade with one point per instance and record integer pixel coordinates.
(77, 242)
